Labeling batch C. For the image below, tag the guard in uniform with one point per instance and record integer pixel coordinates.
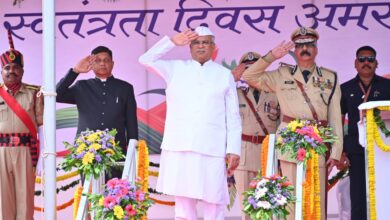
(21, 112)
(259, 111)
(304, 91)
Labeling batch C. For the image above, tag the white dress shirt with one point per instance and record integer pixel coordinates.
(202, 104)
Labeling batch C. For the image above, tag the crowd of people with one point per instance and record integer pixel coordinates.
(215, 123)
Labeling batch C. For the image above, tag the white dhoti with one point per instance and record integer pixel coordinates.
(193, 175)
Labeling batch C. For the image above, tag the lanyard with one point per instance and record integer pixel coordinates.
(364, 97)
(365, 94)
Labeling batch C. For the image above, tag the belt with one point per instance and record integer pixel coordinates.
(16, 139)
(256, 139)
(288, 119)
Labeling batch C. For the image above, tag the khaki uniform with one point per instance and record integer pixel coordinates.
(292, 103)
(268, 110)
(16, 169)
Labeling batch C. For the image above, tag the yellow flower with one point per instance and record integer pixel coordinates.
(316, 130)
(294, 124)
(81, 148)
(88, 158)
(93, 137)
(280, 139)
(101, 201)
(118, 212)
(95, 146)
(109, 151)
(112, 142)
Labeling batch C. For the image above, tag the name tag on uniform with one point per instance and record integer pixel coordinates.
(241, 105)
(289, 82)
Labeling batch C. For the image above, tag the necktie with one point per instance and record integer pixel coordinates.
(306, 74)
(256, 95)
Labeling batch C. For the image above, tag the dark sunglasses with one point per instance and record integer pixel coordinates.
(301, 45)
(370, 59)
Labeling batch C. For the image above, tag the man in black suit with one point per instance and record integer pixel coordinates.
(364, 87)
(102, 102)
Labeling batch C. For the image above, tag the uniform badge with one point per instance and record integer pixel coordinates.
(241, 105)
(376, 93)
(250, 56)
(316, 81)
(290, 82)
(302, 31)
(12, 56)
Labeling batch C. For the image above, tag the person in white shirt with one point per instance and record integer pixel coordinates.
(202, 127)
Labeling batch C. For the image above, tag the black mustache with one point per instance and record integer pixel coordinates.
(305, 52)
(369, 67)
(14, 74)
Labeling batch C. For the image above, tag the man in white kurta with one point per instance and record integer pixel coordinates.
(202, 127)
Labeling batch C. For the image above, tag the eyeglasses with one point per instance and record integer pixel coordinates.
(105, 60)
(305, 44)
(363, 59)
(204, 43)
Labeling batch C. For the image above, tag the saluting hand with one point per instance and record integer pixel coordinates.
(184, 38)
(238, 71)
(233, 162)
(85, 64)
(282, 49)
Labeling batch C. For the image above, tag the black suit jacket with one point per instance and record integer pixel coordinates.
(351, 98)
(110, 104)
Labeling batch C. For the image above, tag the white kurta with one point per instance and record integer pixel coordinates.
(202, 111)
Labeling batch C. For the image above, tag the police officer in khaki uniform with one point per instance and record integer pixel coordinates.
(304, 91)
(21, 111)
(259, 111)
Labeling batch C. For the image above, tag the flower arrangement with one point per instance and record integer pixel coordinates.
(268, 197)
(93, 152)
(301, 138)
(121, 200)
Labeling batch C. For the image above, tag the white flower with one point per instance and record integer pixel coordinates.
(262, 183)
(281, 200)
(263, 204)
(260, 193)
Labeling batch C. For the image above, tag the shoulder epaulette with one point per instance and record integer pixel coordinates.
(328, 70)
(286, 64)
(293, 68)
(33, 87)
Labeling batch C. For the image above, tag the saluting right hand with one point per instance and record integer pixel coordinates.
(85, 64)
(282, 49)
(238, 71)
(184, 38)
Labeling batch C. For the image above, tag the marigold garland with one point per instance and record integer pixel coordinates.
(143, 167)
(311, 198)
(143, 164)
(378, 139)
(59, 178)
(77, 196)
(308, 189)
(371, 164)
(380, 123)
(317, 187)
(59, 207)
(373, 135)
(264, 155)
